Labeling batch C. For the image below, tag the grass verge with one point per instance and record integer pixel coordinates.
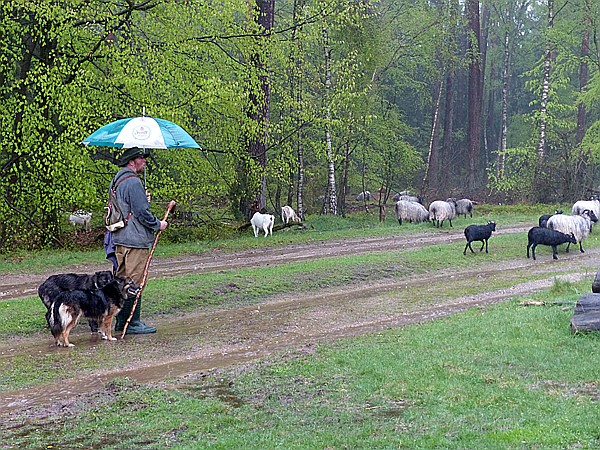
(506, 377)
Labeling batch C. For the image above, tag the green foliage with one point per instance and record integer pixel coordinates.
(68, 68)
(517, 179)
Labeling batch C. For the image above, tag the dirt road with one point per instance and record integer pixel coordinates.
(200, 342)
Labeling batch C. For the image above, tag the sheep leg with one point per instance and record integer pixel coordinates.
(450, 221)
(580, 247)
(528, 245)
(469, 246)
(533, 251)
(486, 246)
(482, 244)
(568, 245)
(554, 252)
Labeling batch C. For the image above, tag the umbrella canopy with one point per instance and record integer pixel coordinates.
(143, 132)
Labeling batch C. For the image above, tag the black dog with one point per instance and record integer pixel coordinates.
(100, 305)
(54, 285)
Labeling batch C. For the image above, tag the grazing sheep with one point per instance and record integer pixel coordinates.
(580, 206)
(464, 206)
(479, 233)
(440, 210)
(288, 213)
(366, 195)
(580, 225)
(546, 236)
(405, 195)
(410, 198)
(81, 217)
(411, 211)
(264, 221)
(543, 220)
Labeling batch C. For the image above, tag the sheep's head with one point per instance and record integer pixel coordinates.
(591, 215)
(492, 225)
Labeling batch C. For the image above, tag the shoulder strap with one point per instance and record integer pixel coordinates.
(114, 190)
(121, 179)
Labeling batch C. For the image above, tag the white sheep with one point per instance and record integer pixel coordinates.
(578, 225)
(262, 221)
(288, 213)
(412, 211)
(464, 206)
(582, 205)
(81, 217)
(365, 195)
(440, 210)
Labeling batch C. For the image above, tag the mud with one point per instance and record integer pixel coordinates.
(205, 341)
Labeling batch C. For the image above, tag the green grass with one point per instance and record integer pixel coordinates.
(503, 377)
(246, 286)
(507, 377)
(318, 227)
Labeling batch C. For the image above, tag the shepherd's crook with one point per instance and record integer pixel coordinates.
(170, 206)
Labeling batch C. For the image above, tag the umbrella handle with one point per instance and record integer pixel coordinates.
(170, 206)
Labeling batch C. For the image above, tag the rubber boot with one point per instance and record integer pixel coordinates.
(136, 326)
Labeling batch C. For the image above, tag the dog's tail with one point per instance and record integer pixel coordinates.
(57, 320)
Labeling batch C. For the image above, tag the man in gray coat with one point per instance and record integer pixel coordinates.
(134, 240)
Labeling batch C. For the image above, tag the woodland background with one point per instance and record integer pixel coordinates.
(300, 102)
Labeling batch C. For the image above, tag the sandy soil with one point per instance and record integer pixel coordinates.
(197, 343)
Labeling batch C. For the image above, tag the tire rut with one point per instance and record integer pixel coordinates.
(212, 340)
(13, 286)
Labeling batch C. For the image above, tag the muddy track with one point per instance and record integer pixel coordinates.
(209, 340)
(25, 285)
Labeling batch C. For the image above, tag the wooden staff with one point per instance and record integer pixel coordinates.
(170, 206)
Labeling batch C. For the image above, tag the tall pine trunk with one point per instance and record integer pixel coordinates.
(474, 93)
(259, 112)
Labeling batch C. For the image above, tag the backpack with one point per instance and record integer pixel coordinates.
(113, 215)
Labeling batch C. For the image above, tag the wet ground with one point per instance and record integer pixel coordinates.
(208, 340)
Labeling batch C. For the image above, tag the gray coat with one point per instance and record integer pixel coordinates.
(131, 195)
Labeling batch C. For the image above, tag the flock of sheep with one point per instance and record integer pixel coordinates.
(559, 228)
(553, 230)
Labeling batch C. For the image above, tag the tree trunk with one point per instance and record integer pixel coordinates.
(446, 150)
(433, 166)
(330, 206)
(541, 146)
(260, 111)
(474, 93)
(504, 118)
(298, 7)
(583, 75)
(344, 183)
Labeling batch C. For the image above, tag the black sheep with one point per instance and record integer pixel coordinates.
(545, 236)
(479, 233)
(543, 221)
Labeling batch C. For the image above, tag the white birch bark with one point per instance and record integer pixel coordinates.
(541, 148)
(331, 198)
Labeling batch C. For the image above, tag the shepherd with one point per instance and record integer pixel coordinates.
(134, 241)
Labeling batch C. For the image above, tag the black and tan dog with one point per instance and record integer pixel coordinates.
(54, 285)
(98, 304)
